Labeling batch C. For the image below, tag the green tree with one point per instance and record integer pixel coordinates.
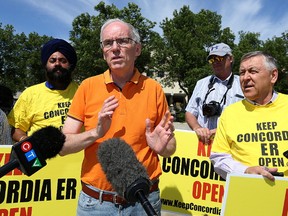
(178, 56)
(248, 41)
(8, 56)
(278, 48)
(20, 64)
(187, 37)
(30, 68)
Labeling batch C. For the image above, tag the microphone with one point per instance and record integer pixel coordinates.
(29, 155)
(126, 174)
(286, 154)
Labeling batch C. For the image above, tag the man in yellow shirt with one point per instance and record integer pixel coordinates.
(46, 103)
(252, 134)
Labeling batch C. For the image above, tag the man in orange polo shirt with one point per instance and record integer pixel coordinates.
(118, 103)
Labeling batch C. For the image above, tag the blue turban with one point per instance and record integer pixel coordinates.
(61, 46)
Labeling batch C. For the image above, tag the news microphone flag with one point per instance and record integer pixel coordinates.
(30, 154)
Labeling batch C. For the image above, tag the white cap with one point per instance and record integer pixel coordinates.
(220, 49)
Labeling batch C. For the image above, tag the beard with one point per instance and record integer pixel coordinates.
(64, 76)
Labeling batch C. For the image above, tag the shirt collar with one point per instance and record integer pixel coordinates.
(225, 82)
(274, 96)
(135, 78)
(49, 85)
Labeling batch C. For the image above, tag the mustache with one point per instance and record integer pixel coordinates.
(60, 68)
(64, 76)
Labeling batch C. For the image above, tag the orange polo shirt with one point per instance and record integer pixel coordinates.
(140, 98)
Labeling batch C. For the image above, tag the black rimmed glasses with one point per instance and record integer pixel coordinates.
(216, 59)
(122, 42)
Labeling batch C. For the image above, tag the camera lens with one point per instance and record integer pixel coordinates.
(211, 109)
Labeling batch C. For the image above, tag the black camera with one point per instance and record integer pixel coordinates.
(211, 109)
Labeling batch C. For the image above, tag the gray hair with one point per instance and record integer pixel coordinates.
(134, 34)
(269, 61)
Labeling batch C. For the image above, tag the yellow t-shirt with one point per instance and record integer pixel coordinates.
(39, 106)
(255, 135)
(139, 99)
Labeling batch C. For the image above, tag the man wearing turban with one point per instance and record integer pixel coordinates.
(46, 103)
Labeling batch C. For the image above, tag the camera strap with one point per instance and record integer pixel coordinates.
(210, 88)
(229, 85)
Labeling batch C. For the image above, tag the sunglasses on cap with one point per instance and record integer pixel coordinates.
(215, 59)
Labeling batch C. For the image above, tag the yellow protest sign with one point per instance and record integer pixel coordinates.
(189, 184)
(53, 190)
(255, 195)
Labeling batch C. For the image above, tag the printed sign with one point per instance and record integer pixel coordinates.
(255, 195)
(52, 190)
(189, 184)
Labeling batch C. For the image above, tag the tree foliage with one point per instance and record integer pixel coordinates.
(179, 55)
(8, 55)
(278, 48)
(248, 41)
(20, 64)
(187, 36)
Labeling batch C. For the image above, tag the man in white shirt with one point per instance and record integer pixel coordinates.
(213, 93)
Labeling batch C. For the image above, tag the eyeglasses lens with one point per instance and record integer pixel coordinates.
(215, 59)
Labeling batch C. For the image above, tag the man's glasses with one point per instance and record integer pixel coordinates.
(122, 42)
(216, 59)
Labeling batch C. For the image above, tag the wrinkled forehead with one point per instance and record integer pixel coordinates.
(115, 30)
(253, 63)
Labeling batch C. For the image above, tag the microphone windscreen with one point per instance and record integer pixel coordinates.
(29, 155)
(49, 141)
(120, 164)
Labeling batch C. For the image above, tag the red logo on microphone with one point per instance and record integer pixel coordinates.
(26, 146)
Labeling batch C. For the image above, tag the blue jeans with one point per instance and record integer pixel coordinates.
(89, 206)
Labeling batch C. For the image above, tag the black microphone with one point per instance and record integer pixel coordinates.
(286, 154)
(126, 174)
(30, 154)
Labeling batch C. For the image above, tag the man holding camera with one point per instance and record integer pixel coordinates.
(213, 93)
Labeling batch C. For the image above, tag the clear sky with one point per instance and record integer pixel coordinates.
(54, 17)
